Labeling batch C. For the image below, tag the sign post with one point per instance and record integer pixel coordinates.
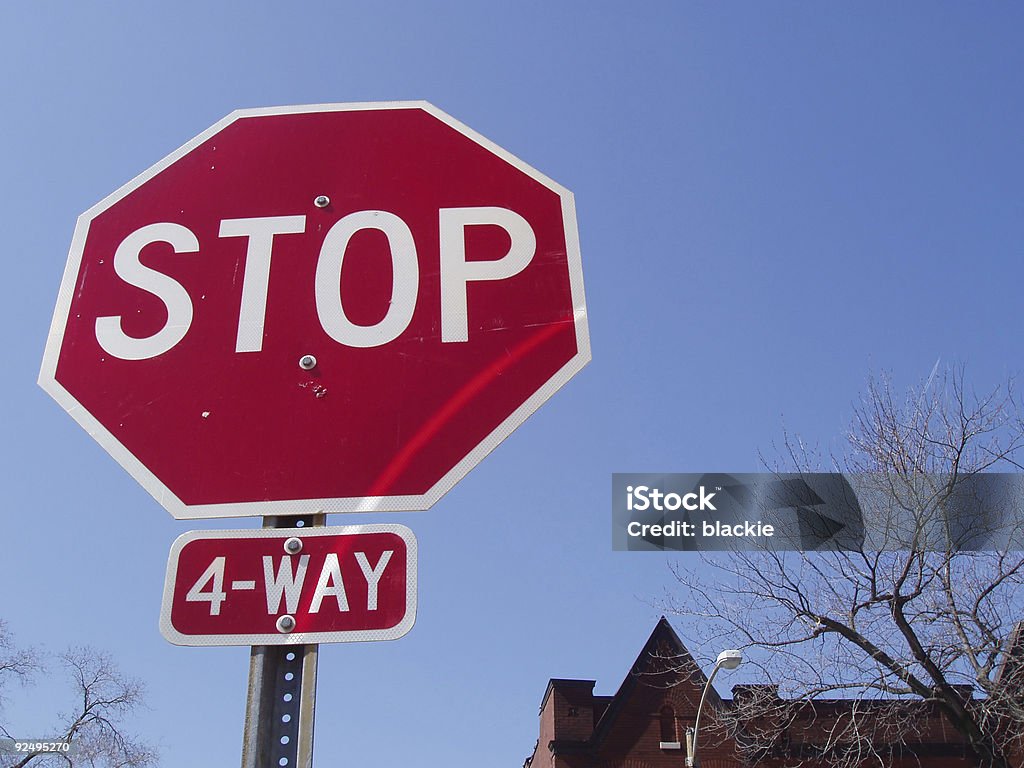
(280, 705)
(306, 310)
(279, 712)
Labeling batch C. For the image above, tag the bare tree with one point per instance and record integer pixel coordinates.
(94, 726)
(15, 665)
(903, 635)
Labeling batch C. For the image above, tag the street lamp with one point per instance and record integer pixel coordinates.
(726, 660)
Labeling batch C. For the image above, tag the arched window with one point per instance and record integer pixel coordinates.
(668, 725)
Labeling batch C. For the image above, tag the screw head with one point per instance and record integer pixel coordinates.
(307, 362)
(321, 201)
(285, 624)
(293, 546)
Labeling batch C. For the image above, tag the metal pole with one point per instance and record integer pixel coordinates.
(692, 759)
(728, 659)
(281, 702)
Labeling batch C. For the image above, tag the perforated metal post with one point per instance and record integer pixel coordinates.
(281, 702)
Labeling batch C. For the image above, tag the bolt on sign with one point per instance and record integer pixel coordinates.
(271, 586)
(321, 308)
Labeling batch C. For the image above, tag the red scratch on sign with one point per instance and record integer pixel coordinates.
(454, 405)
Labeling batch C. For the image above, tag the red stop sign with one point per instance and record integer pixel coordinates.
(334, 307)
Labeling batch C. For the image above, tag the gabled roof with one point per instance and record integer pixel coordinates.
(663, 662)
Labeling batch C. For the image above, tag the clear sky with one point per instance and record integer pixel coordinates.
(773, 199)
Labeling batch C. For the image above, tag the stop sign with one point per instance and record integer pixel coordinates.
(332, 307)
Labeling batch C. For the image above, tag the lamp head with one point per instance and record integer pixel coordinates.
(729, 659)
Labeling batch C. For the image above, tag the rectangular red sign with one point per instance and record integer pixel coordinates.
(290, 586)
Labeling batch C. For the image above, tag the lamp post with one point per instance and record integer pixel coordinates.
(726, 660)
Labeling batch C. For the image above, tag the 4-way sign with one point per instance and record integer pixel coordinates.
(323, 308)
(285, 587)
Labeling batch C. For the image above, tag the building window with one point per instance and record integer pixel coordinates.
(669, 736)
(668, 724)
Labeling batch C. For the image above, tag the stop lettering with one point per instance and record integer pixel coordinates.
(455, 274)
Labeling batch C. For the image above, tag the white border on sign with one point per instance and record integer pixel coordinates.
(182, 511)
(172, 635)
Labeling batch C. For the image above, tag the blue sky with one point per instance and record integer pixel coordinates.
(774, 200)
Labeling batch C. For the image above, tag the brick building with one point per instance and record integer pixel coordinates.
(644, 724)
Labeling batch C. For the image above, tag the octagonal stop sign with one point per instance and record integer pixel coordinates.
(333, 307)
